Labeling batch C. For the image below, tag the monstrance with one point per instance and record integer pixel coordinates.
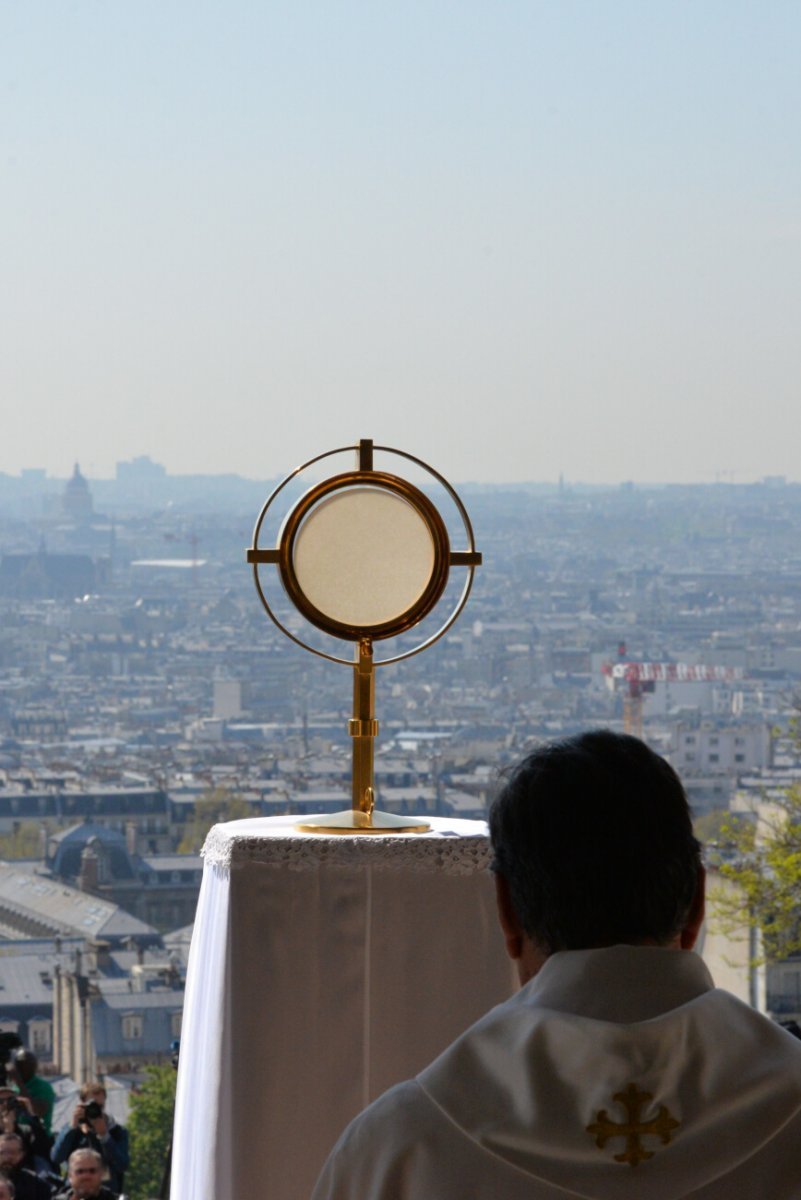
(364, 555)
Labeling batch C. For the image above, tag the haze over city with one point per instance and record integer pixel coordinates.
(516, 239)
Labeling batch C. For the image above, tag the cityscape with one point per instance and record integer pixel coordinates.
(552, 249)
(144, 695)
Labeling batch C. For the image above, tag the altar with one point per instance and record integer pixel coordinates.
(323, 970)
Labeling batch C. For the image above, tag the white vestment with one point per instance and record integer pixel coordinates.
(707, 1092)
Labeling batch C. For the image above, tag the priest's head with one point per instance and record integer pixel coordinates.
(593, 846)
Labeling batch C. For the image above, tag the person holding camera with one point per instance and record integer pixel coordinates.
(93, 1128)
(27, 1184)
(17, 1117)
(22, 1074)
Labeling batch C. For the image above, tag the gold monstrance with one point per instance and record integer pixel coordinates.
(364, 555)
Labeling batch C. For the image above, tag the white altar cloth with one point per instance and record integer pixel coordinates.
(323, 969)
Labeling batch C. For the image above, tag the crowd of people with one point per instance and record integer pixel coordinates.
(86, 1160)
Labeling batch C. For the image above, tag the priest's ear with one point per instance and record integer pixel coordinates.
(695, 917)
(527, 957)
(513, 932)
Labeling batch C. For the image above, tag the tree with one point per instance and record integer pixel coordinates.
(25, 841)
(709, 827)
(150, 1132)
(213, 806)
(761, 853)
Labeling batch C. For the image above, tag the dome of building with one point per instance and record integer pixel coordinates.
(69, 848)
(77, 499)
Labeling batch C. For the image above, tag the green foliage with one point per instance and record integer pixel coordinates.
(214, 806)
(762, 855)
(150, 1130)
(23, 842)
(710, 828)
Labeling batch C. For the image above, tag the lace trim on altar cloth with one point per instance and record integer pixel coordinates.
(443, 850)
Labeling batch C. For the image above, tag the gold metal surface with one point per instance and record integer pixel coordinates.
(363, 817)
(350, 822)
(366, 454)
(264, 556)
(362, 728)
(255, 552)
(425, 510)
(363, 796)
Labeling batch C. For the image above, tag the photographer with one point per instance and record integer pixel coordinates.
(94, 1129)
(17, 1117)
(22, 1074)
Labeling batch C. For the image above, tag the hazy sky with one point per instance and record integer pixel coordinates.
(512, 237)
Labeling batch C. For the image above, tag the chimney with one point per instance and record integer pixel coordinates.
(87, 880)
(101, 954)
(131, 837)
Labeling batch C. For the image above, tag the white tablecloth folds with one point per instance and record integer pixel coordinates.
(323, 970)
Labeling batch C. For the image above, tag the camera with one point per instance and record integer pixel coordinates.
(92, 1110)
(8, 1042)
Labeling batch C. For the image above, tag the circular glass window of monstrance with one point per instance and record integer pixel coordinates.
(364, 559)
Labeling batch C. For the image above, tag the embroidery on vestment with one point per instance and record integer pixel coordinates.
(634, 1128)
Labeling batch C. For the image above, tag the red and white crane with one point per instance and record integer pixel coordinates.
(637, 679)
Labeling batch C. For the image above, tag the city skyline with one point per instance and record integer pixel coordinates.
(156, 472)
(519, 241)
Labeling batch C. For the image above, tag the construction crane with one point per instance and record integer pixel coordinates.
(637, 679)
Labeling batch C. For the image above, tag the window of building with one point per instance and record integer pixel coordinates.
(740, 758)
(40, 1036)
(713, 758)
(689, 739)
(175, 1024)
(131, 1026)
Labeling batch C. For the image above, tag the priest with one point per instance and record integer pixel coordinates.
(619, 1069)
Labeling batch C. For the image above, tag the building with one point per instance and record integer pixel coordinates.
(38, 905)
(160, 889)
(76, 499)
(106, 1021)
(43, 576)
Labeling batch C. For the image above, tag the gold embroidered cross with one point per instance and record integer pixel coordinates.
(661, 1126)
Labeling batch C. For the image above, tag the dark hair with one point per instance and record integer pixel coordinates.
(594, 838)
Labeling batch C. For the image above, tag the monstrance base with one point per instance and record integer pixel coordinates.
(351, 821)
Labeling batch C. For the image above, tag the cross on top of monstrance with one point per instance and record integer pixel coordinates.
(364, 555)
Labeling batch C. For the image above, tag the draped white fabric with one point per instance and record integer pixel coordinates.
(202, 1135)
(323, 970)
